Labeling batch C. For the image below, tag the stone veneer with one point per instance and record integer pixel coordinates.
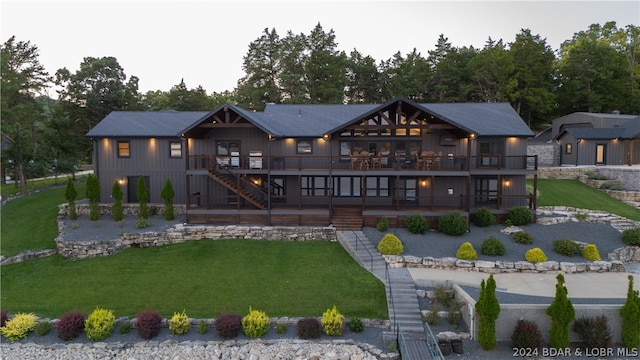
(546, 216)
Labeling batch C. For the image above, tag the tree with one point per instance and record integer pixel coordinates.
(116, 208)
(293, 79)
(406, 76)
(71, 194)
(492, 73)
(488, 310)
(261, 65)
(630, 314)
(142, 192)
(22, 78)
(562, 314)
(93, 194)
(167, 195)
(180, 98)
(325, 68)
(362, 79)
(534, 67)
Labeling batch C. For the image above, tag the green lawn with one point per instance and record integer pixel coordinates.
(204, 277)
(554, 192)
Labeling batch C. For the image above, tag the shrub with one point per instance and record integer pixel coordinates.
(566, 247)
(167, 195)
(520, 215)
(125, 328)
(526, 335)
(228, 325)
(454, 316)
(452, 223)
(443, 294)
(631, 236)
(492, 246)
(356, 325)
(390, 245)
(535, 255)
(203, 327)
(179, 323)
(590, 252)
(611, 186)
(383, 224)
(142, 192)
(416, 224)
(630, 314)
(255, 324)
(488, 310)
(71, 194)
(43, 328)
(99, 324)
(466, 252)
(308, 328)
(523, 237)
(332, 322)
(484, 217)
(432, 318)
(93, 194)
(562, 314)
(116, 208)
(281, 328)
(594, 332)
(70, 326)
(19, 327)
(3, 317)
(148, 324)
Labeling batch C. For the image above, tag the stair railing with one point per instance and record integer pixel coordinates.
(358, 240)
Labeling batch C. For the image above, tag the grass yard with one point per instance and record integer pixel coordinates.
(204, 277)
(573, 193)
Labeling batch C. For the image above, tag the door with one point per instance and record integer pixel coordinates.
(601, 154)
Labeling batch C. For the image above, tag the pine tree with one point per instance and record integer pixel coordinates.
(488, 310)
(167, 195)
(70, 194)
(116, 208)
(562, 314)
(630, 313)
(93, 194)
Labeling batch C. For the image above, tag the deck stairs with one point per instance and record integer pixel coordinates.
(346, 218)
(239, 186)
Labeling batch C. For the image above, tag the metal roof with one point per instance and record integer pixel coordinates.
(166, 123)
(595, 133)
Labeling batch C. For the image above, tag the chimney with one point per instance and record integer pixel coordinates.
(616, 112)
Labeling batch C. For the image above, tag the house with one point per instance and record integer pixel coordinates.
(346, 165)
(598, 139)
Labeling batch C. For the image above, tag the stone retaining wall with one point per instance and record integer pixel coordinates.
(548, 154)
(127, 209)
(181, 233)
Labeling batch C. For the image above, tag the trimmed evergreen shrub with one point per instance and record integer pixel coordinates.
(416, 224)
(523, 237)
(142, 192)
(452, 223)
(148, 324)
(281, 328)
(332, 322)
(71, 194)
(93, 194)
(390, 245)
(99, 324)
(203, 327)
(566, 247)
(630, 314)
(631, 236)
(383, 224)
(594, 332)
(492, 246)
(535, 255)
(125, 328)
(520, 215)
(228, 325)
(308, 328)
(466, 252)
(562, 314)
(488, 310)
(70, 326)
(255, 324)
(590, 252)
(43, 328)
(526, 335)
(116, 208)
(179, 323)
(167, 195)
(484, 217)
(19, 326)
(356, 325)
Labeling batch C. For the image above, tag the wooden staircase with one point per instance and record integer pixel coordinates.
(231, 181)
(347, 218)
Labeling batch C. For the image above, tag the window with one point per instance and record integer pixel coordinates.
(314, 186)
(377, 186)
(489, 153)
(601, 151)
(486, 190)
(408, 190)
(347, 186)
(568, 148)
(175, 149)
(303, 147)
(123, 149)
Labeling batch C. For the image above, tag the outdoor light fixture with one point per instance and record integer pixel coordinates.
(506, 183)
(472, 136)
(121, 182)
(326, 137)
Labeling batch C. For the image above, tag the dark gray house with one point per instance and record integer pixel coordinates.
(598, 139)
(347, 165)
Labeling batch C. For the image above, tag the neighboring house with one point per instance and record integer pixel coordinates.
(347, 165)
(598, 139)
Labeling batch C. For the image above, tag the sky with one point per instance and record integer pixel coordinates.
(204, 42)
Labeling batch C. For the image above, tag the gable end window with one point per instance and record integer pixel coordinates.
(303, 147)
(175, 149)
(123, 149)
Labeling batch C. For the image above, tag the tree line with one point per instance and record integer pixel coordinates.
(597, 70)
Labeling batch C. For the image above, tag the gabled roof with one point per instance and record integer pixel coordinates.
(607, 116)
(129, 124)
(632, 128)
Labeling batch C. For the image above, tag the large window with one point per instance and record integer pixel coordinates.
(314, 186)
(346, 186)
(175, 149)
(303, 147)
(408, 189)
(377, 186)
(489, 153)
(124, 150)
(486, 190)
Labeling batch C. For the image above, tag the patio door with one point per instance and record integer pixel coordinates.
(601, 154)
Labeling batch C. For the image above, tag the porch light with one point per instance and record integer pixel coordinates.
(326, 137)
(424, 183)
(507, 183)
(472, 136)
(121, 182)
